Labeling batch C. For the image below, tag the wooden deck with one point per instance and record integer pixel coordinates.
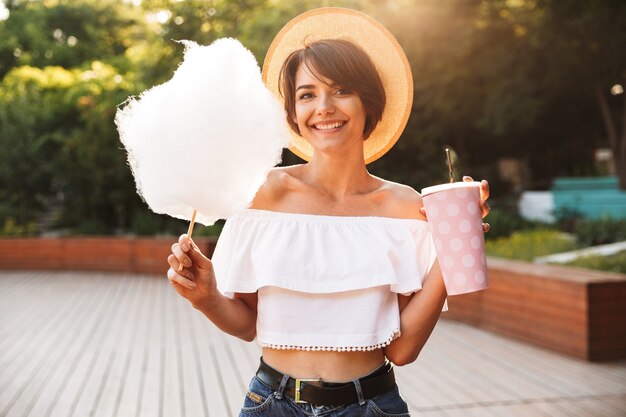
(109, 344)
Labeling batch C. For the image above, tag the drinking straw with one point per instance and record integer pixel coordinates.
(450, 170)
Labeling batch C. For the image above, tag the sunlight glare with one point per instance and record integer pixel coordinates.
(4, 12)
(162, 17)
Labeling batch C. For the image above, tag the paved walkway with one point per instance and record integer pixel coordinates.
(101, 344)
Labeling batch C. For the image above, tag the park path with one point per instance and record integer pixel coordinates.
(106, 344)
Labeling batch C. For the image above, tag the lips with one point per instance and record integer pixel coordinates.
(329, 125)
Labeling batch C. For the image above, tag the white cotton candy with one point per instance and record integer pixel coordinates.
(207, 138)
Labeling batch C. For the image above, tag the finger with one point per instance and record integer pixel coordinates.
(187, 243)
(467, 178)
(175, 277)
(486, 227)
(177, 266)
(184, 242)
(198, 258)
(485, 208)
(484, 190)
(180, 255)
(422, 211)
(173, 262)
(178, 280)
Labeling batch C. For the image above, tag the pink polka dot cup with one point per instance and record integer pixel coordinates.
(455, 221)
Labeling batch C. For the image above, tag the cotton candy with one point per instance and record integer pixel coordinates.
(207, 138)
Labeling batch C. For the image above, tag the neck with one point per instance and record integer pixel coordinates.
(338, 176)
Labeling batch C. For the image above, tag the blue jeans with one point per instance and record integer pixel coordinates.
(263, 401)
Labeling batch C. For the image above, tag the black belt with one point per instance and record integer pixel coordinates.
(318, 392)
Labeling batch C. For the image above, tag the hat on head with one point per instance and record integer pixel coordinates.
(382, 48)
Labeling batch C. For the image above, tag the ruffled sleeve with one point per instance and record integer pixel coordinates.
(321, 254)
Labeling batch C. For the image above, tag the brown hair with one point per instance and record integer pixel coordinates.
(345, 64)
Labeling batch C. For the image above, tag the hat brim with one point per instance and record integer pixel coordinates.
(381, 46)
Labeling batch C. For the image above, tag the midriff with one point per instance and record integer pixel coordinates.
(327, 365)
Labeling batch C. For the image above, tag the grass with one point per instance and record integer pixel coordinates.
(530, 244)
(612, 263)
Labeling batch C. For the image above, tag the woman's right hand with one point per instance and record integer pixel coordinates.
(196, 281)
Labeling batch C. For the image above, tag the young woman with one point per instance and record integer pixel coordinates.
(331, 269)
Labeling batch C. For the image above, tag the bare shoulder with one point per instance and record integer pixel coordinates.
(279, 181)
(401, 200)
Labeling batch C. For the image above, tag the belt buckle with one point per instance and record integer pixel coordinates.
(298, 386)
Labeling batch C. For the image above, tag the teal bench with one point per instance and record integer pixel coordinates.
(593, 197)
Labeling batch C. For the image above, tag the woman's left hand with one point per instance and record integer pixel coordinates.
(484, 195)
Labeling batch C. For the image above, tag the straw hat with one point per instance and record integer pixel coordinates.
(382, 48)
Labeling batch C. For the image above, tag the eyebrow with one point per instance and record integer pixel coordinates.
(306, 86)
(311, 86)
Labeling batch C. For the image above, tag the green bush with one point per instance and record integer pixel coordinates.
(11, 228)
(146, 223)
(566, 219)
(612, 263)
(504, 222)
(527, 245)
(592, 232)
(213, 230)
(92, 227)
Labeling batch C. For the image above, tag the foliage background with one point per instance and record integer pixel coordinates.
(523, 79)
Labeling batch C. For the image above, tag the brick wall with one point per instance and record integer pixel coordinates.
(122, 254)
(575, 311)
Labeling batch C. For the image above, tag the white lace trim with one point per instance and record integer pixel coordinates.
(394, 335)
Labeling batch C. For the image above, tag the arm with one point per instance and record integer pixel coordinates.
(419, 314)
(196, 282)
(236, 316)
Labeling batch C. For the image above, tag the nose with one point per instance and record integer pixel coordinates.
(325, 104)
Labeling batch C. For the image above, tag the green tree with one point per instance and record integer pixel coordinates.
(201, 21)
(58, 145)
(512, 78)
(99, 186)
(65, 33)
(493, 78)
(586, 39)
(32, 124)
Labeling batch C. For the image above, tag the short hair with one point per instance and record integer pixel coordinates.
(345, 64)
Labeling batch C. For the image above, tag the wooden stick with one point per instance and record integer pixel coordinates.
(189, 232)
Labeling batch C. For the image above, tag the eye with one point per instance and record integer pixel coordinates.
(343, 92)
(305, 96)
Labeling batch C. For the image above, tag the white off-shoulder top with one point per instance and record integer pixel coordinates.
(323, 282)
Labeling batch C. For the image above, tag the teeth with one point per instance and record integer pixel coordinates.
(327, 126)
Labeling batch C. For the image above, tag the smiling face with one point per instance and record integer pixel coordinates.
(328, 115)
(338, 65)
